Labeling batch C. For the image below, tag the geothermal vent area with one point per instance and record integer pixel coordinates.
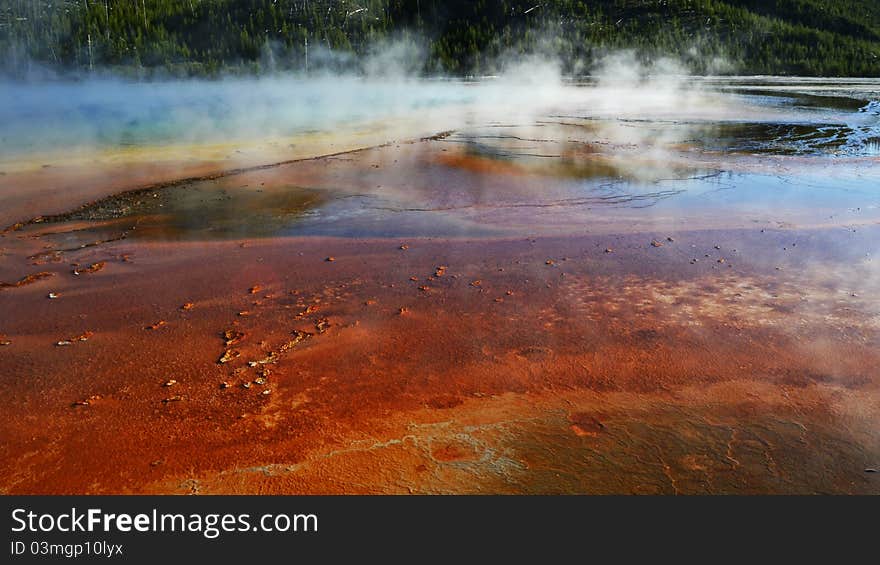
(642, 283)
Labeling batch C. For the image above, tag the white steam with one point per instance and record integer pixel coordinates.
(110, 114)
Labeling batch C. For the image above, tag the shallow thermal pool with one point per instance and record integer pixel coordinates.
(731, 152)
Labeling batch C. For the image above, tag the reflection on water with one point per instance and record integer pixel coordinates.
(794, 150)
(201, 210)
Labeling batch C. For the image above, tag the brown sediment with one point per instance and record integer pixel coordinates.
(79, 337)
(439, 136)
(26, 280)
(233, 337)
(93, 268)
(480, 165)
(229, 355)
(585, 424)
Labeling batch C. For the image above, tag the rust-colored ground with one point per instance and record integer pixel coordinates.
(532, 363)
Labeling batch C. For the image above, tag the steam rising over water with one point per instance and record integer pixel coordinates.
(107, 113)
(524, 145)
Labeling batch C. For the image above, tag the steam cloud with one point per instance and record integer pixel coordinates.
(105, 112)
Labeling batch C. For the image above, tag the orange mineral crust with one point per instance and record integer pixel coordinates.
(567, 369)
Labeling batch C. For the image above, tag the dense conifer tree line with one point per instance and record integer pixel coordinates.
(199, 37)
